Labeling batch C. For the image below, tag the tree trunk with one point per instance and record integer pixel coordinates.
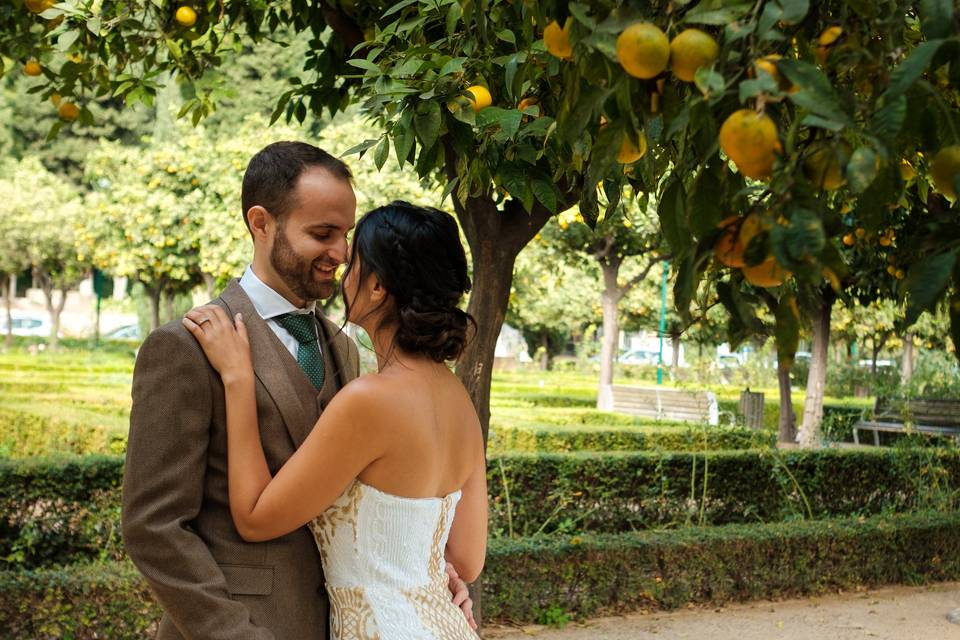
(544, 350)
(9, 293)
(817, 376)
(610, 302)
(154, 293)
(675, 356)
(169, 297)
(211, 284)
(495, 237)
(788, 421)
(906, 370)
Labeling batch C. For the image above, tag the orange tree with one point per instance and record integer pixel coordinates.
(775, 112)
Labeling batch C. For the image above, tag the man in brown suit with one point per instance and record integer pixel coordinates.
(299, 206)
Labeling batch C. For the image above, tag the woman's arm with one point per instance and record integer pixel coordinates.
(467, 545)
(335, 452)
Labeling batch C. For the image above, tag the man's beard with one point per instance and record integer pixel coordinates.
(297, 272)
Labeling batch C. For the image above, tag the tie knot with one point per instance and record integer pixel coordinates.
(300, 325)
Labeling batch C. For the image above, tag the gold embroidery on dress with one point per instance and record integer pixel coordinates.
(433, 601)
(324, 526)
(350, 615)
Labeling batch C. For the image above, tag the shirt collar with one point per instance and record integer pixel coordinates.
(268, 303)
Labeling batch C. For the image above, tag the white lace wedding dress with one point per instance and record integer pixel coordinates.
(383, 561)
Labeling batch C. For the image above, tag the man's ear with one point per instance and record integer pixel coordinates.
(260, 221)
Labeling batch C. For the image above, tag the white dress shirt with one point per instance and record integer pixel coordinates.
(270, 304)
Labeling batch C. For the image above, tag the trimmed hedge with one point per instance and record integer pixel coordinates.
(63, 511)
(25, 434)
(582, 575)
(624, 438)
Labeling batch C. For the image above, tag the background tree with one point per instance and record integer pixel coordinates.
(42, 213)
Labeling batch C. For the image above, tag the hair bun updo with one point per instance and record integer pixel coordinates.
(417, 255)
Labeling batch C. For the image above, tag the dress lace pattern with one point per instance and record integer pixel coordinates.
(383, 560)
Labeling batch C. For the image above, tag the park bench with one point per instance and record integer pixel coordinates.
(661, 404)
(929, 417)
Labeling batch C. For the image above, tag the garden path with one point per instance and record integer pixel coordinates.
(894, 613)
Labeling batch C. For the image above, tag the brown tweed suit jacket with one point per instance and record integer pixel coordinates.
(177, 527)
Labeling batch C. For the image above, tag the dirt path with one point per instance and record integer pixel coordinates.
(896, 613)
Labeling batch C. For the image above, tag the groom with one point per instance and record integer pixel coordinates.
(299, 206)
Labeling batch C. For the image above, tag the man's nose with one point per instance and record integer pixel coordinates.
(339, 252)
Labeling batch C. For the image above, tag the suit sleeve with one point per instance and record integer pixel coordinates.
(163, 490)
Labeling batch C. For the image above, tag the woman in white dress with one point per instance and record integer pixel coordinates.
(392, 478)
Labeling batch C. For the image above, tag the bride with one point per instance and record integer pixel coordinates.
(392, 478)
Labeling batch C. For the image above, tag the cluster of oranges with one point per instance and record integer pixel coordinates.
(736, 233)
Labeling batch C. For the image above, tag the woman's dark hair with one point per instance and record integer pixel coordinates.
(417, 256)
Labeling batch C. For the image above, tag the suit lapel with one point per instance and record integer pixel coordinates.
(272, 364)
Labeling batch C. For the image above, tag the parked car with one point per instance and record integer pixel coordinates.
(640, 357)
(126, 332)
(26, 326)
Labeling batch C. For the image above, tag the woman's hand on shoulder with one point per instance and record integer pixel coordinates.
(226, 347)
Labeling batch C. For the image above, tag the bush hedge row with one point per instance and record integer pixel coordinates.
(61, 511)
(617, 438)
(584, 575)
(24, 434)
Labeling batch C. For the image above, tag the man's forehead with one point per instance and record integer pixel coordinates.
(320, 225)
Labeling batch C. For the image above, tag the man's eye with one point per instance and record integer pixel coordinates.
(321, 236)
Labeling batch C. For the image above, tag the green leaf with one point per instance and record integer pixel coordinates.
(360, 148)
(787, 330)
(426, 122)
(366, 65)
(811, 120)
(507, 36)
(862, 169)
(673, 217)
(793, 11)
(448, 189)
(910, 69)
(936, 18)
(545, 193)
(704, 203)
(513, 178)
(66, 39)
(816, 94)
(926, 281)
(708, 81)
(803, 237)
(380, 155)
(888, 120)
(705, 13)
(397, 7)
(453, 17)
(507, 120)
(403, 137)
(453, 65)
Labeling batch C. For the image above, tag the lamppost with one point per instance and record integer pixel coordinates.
(663, 319)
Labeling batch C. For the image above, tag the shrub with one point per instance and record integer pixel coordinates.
(25, 434)
(588, 438)
(550, 578)
(65, 511)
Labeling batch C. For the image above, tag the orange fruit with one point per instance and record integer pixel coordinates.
(479, 97)
(766, 274)
(826, 41)
(32, 68)
(55, 99)
(643, 50)
(728, 250)
(630, 153)
(860, 232)
(68, 111)
(750, 140)
(849, 240)
(690, 50)
(557, 39)
(186, 16)
(945, 169)
(825, 163)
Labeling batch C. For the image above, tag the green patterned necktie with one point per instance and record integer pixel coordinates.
(304, 330)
